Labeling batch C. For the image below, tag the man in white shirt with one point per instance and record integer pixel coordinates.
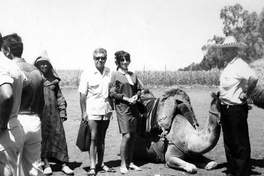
(12, 80)
(237, 81)
(95, 107)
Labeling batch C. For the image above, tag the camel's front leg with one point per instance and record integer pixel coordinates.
(204, 162)
(177, 163)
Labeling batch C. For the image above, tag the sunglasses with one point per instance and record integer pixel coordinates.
(98, 58)
(123, 59)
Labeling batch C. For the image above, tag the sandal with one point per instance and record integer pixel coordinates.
(47, 171)
(91, 172)
(67, 170)
(132, 166)
(104, 168)
(123, 170)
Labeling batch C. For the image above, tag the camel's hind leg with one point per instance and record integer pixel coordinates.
(177, 163)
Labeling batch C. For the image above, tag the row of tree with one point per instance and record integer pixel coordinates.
(246, 27)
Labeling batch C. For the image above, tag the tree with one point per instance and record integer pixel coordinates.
(213, 57)
(233, 18)
(261, 24)
(246, 27)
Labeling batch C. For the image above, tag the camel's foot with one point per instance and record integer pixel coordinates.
(190, 168)
(211, 165)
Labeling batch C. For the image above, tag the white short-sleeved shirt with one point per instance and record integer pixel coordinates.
(11, 74)
(95, 86)
(233, 81)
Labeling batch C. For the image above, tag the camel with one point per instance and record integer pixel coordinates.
(171, 134)
(257, 96)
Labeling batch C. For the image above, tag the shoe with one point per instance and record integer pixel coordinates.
(47, 171)
(67, 170)
(123, 170)
(91, 172)
(104, 168)
(132, 166)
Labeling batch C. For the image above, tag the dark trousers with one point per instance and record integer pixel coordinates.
(236, 139)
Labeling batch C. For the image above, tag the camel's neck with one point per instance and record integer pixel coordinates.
(208, 137)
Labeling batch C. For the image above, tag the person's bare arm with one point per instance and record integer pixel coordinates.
(6, 105)
(83, 106)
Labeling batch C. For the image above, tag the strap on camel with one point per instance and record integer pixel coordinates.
(187, 113)
(148, 120)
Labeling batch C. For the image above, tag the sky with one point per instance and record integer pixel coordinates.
(159, 34)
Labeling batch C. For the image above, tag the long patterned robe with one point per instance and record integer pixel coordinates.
(53, 136)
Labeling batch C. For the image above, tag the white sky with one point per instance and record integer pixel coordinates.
(157, 33)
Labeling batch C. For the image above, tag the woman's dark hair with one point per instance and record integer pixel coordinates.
(120, 55)
(1, 40)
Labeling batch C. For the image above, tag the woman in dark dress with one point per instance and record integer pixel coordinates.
(125, 89)
(54, 144)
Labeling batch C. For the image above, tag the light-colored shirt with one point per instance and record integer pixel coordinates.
(11, 74)
(234, 80)
(95, 86)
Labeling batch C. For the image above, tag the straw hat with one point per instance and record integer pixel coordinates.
(230, 42)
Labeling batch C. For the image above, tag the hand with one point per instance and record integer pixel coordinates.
(163, 134)
(63, 119)
(84, 116)
(243, 96)
(134, 99)
(131, 100)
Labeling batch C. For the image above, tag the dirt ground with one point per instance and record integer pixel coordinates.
(200, 99)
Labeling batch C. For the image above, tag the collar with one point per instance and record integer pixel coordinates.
(106, 70)
(17, 59)
(124, 72)
(233, 60)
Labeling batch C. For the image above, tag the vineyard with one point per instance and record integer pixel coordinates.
(70, 78)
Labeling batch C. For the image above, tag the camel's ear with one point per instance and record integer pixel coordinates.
(218, 94)
(213, 94)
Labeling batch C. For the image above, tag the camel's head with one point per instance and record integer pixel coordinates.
(215, 106)
(167, 108)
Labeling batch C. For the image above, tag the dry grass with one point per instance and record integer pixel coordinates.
(200, 99)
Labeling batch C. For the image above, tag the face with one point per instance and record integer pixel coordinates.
(124, 63)
(6, 52)
(229, 53)
(99, 61)
(44, 66)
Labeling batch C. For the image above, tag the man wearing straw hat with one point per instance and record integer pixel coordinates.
(237, 81)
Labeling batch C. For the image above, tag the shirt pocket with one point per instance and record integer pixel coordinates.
(94, 86)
